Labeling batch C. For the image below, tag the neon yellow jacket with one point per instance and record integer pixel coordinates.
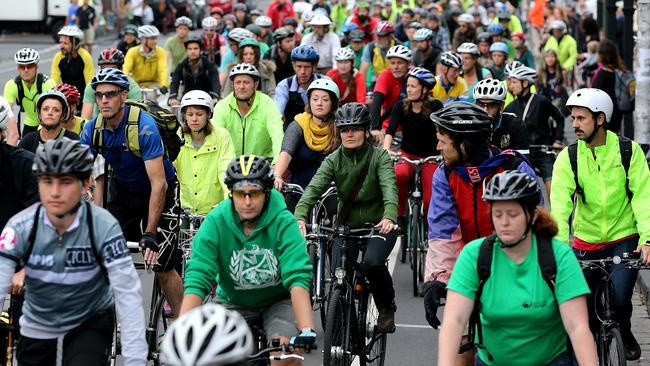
(29, 101)
(201, 172)
(567, 50)
(514, 25)
(608, 214)
(147, 71)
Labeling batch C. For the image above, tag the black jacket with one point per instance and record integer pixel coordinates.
(509, 132)
(207, 79)
(18, 186)
(541, 130)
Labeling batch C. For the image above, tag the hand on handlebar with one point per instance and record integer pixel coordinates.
(302, 225)
(644, 250)
(378, 136)
(434, 292)
(151, 248)
(278, 183)
(305, 339)
(385, 226)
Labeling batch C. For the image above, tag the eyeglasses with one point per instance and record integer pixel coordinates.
(109, 94)
(488, 105)
(256, 194)
(27, 67)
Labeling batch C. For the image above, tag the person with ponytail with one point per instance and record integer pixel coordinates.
(411, 114)
(523, 321)
(52, 110)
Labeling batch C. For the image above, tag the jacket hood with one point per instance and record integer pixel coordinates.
(275, 207)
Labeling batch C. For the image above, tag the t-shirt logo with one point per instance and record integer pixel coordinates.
(505, 141)
(254, 268)
(8, 239)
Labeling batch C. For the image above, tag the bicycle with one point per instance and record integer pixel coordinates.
(264, 356)
(351, 325)
(416, 234)
(609, 342)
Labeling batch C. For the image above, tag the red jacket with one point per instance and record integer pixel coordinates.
(357, 95)
(368, 28)
(279, 12)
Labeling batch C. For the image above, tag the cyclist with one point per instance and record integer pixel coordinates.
(265, 23)
(465, 31)
(440, 32)
(225, 334)
(484, 40)
(357, 162)
(473, 72)
(110, 58)
(498, 33)
(537, 337)
(389, 89)
(142, 187)
(508, 130)
(175, 45)
(250, 244)
(147, 64)
(375, 53)
(565, 46)
(284, 42)
(235, 36)
(450, 86)
(72, 64)
(418, 135)
(8, 127)
(100, 278)
(195, 72)
(25, 88)
(364, 22)
(249, 53)
(349, 80)
(324, 41)
(214, 44)
(607, 221)
(291, 93)
(204, 157)
(523, 55)
(130, 39)
(52, 110)
(426, 54)
(74, 123)
(251, 117)
(535, 111)
(499, 57)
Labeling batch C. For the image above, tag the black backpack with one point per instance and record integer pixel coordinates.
(546, 260)
(625, 146)
(40, 79)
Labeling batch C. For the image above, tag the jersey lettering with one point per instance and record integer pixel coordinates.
(8, 239)
(79, 257)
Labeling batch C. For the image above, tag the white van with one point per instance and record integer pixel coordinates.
(44, 15)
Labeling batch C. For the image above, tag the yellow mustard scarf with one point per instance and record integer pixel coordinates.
(315, 137)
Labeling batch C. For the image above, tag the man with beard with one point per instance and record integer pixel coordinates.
(324, 41)
(285, 41)
(72, 64)
(364, 21)
(194, 72)
(375, 53)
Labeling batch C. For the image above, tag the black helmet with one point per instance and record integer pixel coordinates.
(193, 39)
(352, 114)
(63, 157)
(512, 185)
(282, 33)
(463, 118)
(250, 168)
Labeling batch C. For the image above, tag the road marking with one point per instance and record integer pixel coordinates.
(418, 326)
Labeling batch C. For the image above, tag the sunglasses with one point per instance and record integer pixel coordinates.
(255, 194)
(109, 94)
(488, 105)
(27, 67)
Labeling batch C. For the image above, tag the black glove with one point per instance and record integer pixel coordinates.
(148, 240)
(164, 90)
(305, 339)
(434, 291)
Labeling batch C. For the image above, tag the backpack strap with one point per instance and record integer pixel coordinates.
(625, 145)
(133, 131)
(93, 246)
(546, 260)
(21, 92)
(40, 78)
(31, 238)
(573, 159)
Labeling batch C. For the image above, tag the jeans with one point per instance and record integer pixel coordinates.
(622, 282)
(564, 359)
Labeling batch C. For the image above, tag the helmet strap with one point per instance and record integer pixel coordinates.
(591, 137)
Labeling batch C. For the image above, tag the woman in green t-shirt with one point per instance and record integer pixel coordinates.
(523, 322)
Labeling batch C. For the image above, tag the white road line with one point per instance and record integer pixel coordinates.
(418, 326)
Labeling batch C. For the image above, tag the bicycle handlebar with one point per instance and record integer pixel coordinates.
(435, 158)
(343, 231)
(292, 188)
(626, 261)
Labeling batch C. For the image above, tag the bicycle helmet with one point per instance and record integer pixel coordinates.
(484, 37)
(250, 169)
(524, 73)
(239, 34)
(519, 35)
(400, 51)
(255, 29)
(415, 25)
(593, 99)
(324, 84)
(499, 47)
(244, 69)
(183, 21)
(463, 118)
(263, 21)
(110, 76)
(451, 59)
(495, 29)
(131, 28)
(305, 53)
(148, 31)
(256, 12)
(320, 19)
(4, 119)
(558, 24)
(352, 114)
(425, 76)
(209, 23)
(282, 33)
(511, 67)
(349, 28)
(193, 39)
(72, 32)
(384, 28)
(492, 89)
(470, 48)
(55, 94)
(70, 92)
(27, 56)
(293, 22)
(197, 98)
(111, 56)
(504, 14)
(344, 54)
(357, 35)
(466, 18)
(512, 185)
(423, 34)
(239, 6)
(63, 156)
(249, 42)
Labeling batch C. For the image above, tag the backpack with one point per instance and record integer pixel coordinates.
(624, 90)
(625, 146)
(166, 122)
(40, 79)
(547, 265)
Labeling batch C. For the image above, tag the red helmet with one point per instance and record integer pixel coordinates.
(111, 56)
(71, 93)
(384, 28)
(519, 35)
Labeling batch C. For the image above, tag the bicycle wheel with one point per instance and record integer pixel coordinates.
(312, 252)
(414, 245)
(614, 350)
(325, 286)
(157, 325)
(375, 342)
(336, 345)
(422, 253)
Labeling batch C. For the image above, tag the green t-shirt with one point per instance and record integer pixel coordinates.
(29, 101)
(176, 50)
(134, 93)
(520, 318)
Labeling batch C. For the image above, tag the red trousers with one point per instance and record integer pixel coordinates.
(404, 172)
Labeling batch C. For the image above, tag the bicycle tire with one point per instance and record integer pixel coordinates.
(422, 254)
(325, 288)
(157, 325)
(376, 354)
(414, 244)
(336, 342)
(313, 260)
(614, 351)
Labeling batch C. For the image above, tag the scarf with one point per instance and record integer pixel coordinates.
(316, 137)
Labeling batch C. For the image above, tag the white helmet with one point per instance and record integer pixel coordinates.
(515, 64)
(524, 73)
(196, 98)
(490, 89)
(244, 69)
(325, 84)
(72, 32)
(320, 19)
(451, 59)
(558, 24)
(27, 56)
(240, 34)
(469, 47)
(423, 34)
(263, 21)
(466, 18)
(210, 334)
(593, 99)
(400, 51)
(148, 31)
(183, 21)
(344, 54)
(209, 23)
(4, 118)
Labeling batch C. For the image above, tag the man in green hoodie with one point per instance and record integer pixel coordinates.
(251, 246)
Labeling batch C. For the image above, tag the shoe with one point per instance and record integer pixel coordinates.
(632, 348)
(386, 319)
(168, 312)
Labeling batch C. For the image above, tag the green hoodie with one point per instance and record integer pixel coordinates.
(254, 271)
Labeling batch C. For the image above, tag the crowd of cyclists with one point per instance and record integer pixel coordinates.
(321, 94)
